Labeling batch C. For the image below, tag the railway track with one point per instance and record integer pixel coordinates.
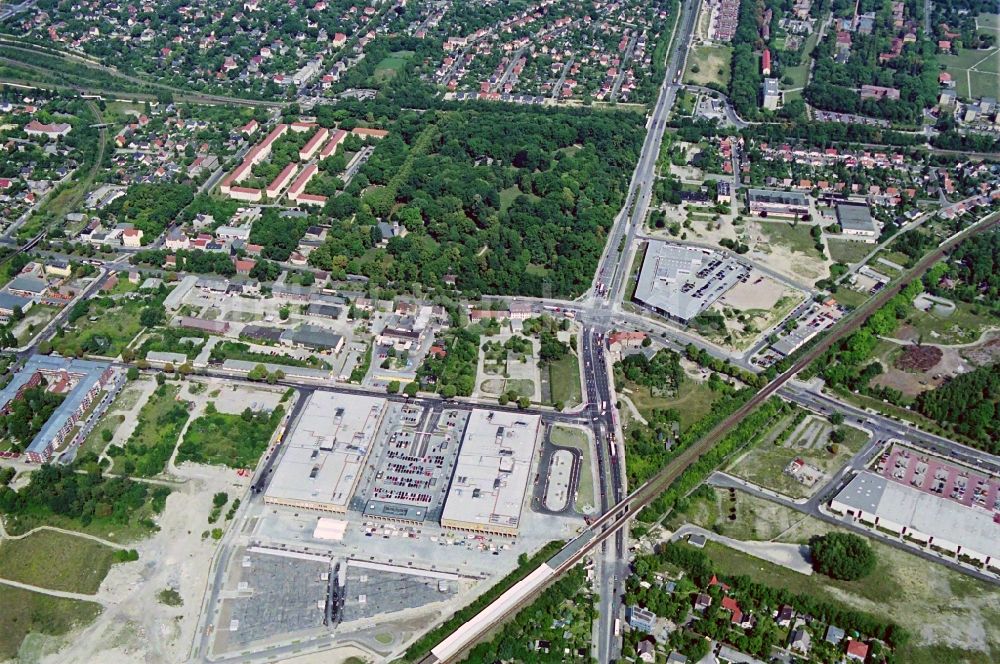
(618, 516)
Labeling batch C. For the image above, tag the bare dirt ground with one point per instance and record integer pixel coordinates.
(754, 294)
(913, 382)
(781, 258)
(761, 302)
(136, 626)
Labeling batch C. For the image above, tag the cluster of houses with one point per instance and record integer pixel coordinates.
(252, 55)
(802, 629)
(725, 15)
(534, 54)
(174, 150)
(22, 190)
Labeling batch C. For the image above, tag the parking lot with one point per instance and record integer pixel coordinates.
(408, 474)
(271, 596)
(372, 592)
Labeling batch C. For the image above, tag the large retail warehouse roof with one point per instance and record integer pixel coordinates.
(492, 472)
(326, 451)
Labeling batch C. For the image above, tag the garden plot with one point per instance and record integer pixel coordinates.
(798, 455)
(509, 363)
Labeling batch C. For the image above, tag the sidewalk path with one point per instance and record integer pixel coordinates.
(793, 556)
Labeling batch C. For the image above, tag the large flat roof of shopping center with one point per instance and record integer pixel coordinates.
(326, 451)
(492, 471)
(682, 281)
(937, 516)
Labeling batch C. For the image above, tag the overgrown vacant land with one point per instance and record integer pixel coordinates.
(149, 448)
(57, 561)
(822, 447)
(23, 612)
(950, 617)
(231, 440)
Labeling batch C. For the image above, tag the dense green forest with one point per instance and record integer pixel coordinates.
(63, 491)
(512, 201)
(278, 235)
(663, 371)
(150, 207)
(970, 403)
(746, 79)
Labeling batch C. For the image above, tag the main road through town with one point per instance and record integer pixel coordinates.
(615, 519)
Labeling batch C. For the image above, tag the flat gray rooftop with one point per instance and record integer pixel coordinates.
(369, 593)
(493, 471)
(326, 451)
(937, 516)
(855, 218)
(681, 282)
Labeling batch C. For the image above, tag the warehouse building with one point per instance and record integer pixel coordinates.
(326, 452)
(922, 517)
(680, 282)
(856, 221)
(773, 203)
(313, 337)
(492, 473)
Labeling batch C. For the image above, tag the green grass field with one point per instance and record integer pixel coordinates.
(23, 612)
(694, 400)
(56, 561)
(850, 298)
(975, 72)
(564, 381)
(223, 439)
(800, 74)
(988, 21)
(797, 237)
(570, 437)
(713, 64)
(392, 63)
(848, 251)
